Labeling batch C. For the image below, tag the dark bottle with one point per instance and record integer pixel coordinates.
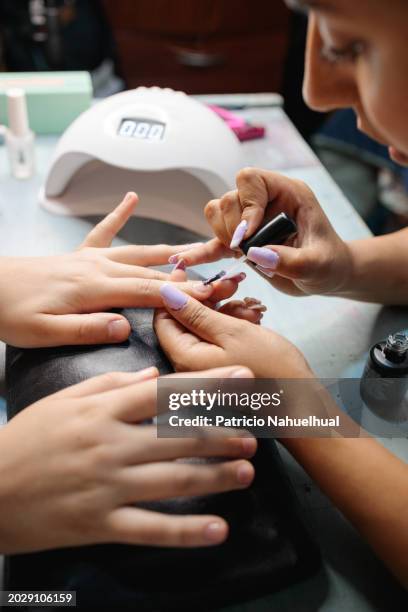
(384, 383)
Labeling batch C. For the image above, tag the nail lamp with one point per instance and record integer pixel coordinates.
(171, 149)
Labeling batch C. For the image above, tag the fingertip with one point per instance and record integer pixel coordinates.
(202, 291)
(118, 330)
(148, 373)
(216, 531)
(173, 297)
(245, 473)
(130, 196)
(241, 372)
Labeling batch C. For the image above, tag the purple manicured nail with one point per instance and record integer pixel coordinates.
(180, 265)
(238, 234)
(264, 257)
(265, 271)
(174, 258)
(173, 297)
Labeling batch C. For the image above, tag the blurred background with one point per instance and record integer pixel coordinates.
(203, 47)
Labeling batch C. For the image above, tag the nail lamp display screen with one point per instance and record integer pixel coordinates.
(142, 129)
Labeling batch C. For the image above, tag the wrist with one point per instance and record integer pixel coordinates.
(344, 270)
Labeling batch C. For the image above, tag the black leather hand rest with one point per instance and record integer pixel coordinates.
(268, 547)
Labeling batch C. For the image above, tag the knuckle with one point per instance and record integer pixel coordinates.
(197, 317)
(246, 174)
(186, 480)
(300, 265)
(145, 287)
(181, 535)
(227, 201)
(210, 208)
(112, 379)
(85, 331)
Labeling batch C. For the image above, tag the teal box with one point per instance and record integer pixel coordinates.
(54, 99)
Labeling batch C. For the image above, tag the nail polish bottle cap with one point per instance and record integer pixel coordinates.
(17, 112)
(276, 231)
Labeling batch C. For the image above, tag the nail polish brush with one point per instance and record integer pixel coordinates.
(276, 231)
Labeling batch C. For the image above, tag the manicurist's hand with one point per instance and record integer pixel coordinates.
(196, 337)
(74, 466)
(317, 260)
(59, 300)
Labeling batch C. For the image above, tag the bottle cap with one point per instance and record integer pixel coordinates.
(17, 112)
(276, 231)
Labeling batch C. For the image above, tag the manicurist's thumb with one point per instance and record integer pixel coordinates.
(201, 320)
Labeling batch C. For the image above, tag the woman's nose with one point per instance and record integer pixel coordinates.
(326, 86)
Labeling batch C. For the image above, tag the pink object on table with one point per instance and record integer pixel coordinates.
(242, 129)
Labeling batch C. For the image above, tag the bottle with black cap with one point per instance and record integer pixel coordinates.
(276, 231)
(384, 383)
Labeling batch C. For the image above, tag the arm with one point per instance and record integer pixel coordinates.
(379, 271)
(369, 485)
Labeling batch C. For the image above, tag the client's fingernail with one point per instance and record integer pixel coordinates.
(118, 329)
(238, 234)
(174, 258)
(214, 532)
(147, 373)
(260, 307)
(241, 373)
(129, 195)
(173, 297)
(180, 265)
(264, 257)
(265, 271)
(201, 288)
(237, 276)
(245, 474)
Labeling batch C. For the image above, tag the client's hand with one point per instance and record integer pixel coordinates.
(317, 261)
(74, 464)
(52, 301)
(195, 337)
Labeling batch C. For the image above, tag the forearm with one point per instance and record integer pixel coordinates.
(379, 269)
(369, 485)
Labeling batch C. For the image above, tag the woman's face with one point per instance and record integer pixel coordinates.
(357, 56)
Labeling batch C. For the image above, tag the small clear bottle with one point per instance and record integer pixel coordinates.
(18, 136)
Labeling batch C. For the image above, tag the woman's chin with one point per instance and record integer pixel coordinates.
(398, 156)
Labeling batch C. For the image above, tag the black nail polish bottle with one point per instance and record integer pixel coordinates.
(384, 383)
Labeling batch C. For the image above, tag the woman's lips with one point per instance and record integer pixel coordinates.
(398, 156)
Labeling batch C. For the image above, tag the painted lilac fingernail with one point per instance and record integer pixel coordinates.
(238, 234)
(265, 271)
(180, 265)
(235, 276)
(173, 297)
(264, 257)
(173, 259)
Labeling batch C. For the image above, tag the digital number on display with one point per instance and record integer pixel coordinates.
(141, 129)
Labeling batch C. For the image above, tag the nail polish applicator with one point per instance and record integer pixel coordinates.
(276, 231)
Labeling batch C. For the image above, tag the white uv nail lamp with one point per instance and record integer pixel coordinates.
(171, 149)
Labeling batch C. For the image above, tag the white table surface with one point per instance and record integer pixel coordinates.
(333, 333)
